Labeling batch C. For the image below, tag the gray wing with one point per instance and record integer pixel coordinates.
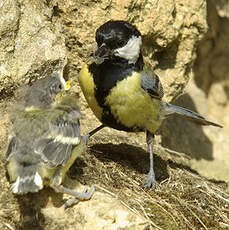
(40, 137)
(45, 136)
(150, 82)
(56, 145)
(20, 147)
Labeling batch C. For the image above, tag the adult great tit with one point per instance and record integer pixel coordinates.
(45, 139)
(122, 91)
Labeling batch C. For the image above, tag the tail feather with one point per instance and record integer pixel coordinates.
(193, 116)
(27, 183)
(22, 164)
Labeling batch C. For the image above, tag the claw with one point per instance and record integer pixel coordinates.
(149, 182)
(85, 190)
(70, 202)
(85, 195)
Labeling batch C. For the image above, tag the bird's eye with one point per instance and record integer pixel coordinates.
(60, 86)
(120, 43)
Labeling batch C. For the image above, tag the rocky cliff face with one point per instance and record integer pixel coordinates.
(212, 77)
(208, 94)
(31, 43)
(183, 40)
(35, 36)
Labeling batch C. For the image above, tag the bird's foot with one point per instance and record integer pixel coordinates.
(85, 195)
(70, 203)
(150, 181)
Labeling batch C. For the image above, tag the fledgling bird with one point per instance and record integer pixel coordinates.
(122, 91)
(45, 139)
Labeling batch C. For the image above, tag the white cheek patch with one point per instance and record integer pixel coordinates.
(131, 50)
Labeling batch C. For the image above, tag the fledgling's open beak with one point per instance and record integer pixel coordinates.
(68, 84)
(65, 84)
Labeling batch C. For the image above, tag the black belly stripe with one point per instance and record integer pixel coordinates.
(106, 76)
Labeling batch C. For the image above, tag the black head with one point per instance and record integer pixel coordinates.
(118, 38)
(43, 92)
(115, 34)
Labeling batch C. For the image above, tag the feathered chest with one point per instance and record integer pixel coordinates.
(107, 75)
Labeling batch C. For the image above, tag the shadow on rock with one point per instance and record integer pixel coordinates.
(184, 136)
(131, 158)
(167, 57)
(30, 208)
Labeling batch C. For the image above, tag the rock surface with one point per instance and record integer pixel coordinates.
(35, 36)
(31, 43)
(97, 214)
(212, 77)
(208, 94)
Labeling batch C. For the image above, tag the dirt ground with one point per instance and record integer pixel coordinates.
(118, 162)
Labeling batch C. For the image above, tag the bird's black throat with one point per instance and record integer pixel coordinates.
(106, 76)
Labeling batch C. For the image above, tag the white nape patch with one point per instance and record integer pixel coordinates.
(15, 185)
(66, 140)
(131, 50)
(38, 180)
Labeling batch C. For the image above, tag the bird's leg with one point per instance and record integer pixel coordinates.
(87, 136)
(73, 201)
(150, 181)
(79, 196)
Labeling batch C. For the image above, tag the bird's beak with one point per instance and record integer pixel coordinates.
(101, 53)
(65, 84)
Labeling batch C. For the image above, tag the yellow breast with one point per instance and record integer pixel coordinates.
(132, 106)
(88, 87)
(58, 173)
